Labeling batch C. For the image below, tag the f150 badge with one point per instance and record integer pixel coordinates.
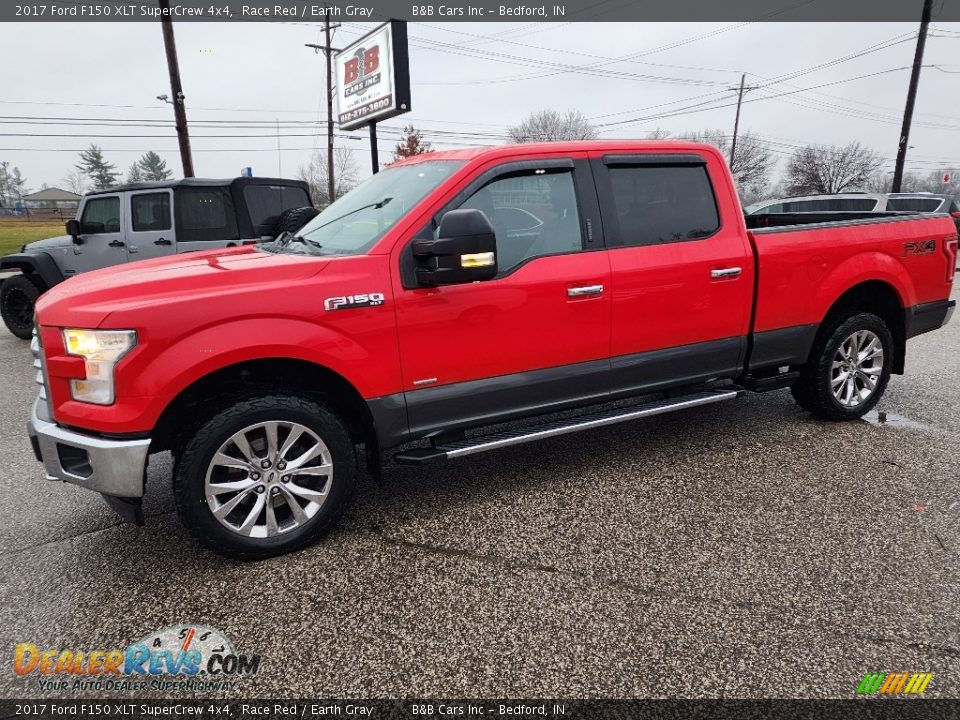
(345, 302)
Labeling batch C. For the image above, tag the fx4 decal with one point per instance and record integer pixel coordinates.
(920, 247)
(344, 302)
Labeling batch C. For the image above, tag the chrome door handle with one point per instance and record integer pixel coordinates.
(585, 291)
(726, 273)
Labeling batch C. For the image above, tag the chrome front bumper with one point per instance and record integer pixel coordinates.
(110, 467)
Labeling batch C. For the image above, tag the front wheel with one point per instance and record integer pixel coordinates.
(18, 295)
(848, 370)
(265, 477)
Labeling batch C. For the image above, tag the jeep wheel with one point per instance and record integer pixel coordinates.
(265, 477)
(292, 220)
(848, 370)
(18, 295)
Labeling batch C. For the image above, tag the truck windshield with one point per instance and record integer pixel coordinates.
(356, 221)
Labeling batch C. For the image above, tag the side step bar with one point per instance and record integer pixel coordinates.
(482, 443)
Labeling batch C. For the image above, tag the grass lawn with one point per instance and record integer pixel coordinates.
(15, 232)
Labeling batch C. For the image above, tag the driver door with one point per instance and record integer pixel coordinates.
(102, 243)
(536, 336)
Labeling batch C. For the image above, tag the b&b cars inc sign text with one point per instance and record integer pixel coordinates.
(373, 77)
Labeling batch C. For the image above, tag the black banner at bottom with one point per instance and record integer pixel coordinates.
(465, 709)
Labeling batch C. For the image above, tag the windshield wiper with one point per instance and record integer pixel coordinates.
(375, 206)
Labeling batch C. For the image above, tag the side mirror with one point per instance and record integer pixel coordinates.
(73, 230)
(465, 251)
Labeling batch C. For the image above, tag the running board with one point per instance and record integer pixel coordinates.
(482, 443)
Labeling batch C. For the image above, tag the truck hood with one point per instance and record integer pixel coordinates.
(50, 243)
(87, 300)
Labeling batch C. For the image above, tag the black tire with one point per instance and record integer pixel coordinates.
(292, 220)
(18, 296)
(813, 391)
(192, 466)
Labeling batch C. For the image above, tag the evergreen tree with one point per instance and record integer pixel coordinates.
(134, 174)
(153, 167)
(93, 165)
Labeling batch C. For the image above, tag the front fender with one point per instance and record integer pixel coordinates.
(39, 263)
(148, 381)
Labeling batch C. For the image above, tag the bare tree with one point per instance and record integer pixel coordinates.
(825, 169)
(547, 125)
(752, 163)
(76, 182)
(411, 143)
(658, 134)
(345, 175)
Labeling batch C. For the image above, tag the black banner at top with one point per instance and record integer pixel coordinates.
(480, 10)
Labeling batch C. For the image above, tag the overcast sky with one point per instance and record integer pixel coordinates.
(473, 78)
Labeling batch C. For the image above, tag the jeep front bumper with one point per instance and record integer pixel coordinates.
(113, 468)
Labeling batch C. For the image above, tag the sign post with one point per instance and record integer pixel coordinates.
(373, 81)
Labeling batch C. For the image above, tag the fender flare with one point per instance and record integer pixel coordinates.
(38, 263)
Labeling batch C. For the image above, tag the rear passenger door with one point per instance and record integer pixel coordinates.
(681, 268)
(150, 225)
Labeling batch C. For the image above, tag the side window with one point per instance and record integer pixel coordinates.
(656, 205)
(101, 215)
(205, 215)
(150, 211)
(534, 213)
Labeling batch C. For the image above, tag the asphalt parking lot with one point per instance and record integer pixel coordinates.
(737, 550)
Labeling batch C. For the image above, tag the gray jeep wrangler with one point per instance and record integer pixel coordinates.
(148, 220)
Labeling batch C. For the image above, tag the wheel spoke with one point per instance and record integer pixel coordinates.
(295, 434)
(251, 520)
(298, 514)
(243, 445)
(868, 381)
(222, 460)
(840, 379)
(306, 457)
(272, 527)
(230, 505)
(306, 493)
(270, 429)
(322, 470)
(224, 487)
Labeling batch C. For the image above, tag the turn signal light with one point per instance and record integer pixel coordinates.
(477, 260)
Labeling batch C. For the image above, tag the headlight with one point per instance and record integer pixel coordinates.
(102, 350)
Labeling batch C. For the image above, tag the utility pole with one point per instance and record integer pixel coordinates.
(736, 123)
(328, 50)
(179, 111)
(911, 97)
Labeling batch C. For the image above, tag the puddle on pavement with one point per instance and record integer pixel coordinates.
(881, 418)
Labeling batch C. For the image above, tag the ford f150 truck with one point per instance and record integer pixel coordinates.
(451, 292)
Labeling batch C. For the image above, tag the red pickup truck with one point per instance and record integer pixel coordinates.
(457, 290)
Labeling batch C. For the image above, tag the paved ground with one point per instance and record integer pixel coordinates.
(735, 550)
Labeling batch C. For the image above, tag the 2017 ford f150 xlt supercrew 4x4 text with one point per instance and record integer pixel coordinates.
(453, 291)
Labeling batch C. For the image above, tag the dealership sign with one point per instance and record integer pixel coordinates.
(373, 77)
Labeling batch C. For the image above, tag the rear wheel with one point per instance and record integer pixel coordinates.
(18, 295)
(848, 370)
(265, 477)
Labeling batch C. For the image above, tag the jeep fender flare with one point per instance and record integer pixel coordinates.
(40, 264)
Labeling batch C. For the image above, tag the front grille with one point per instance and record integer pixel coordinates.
(37, 349)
